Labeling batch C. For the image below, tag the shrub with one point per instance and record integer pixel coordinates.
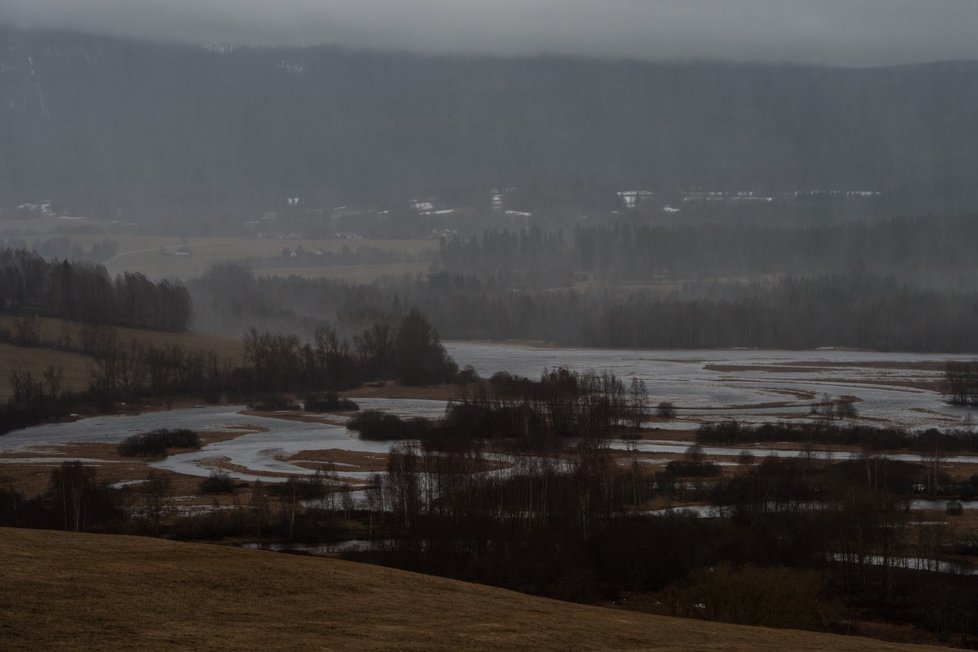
(693, 469)
(273, 402)
(666, 410)
(218, 482)
(330, 402)
(379, 426)
(157, 442)
(307, 488)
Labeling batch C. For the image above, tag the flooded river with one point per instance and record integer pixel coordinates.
(752, 386)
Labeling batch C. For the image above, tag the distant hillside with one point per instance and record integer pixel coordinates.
(79, 591)
(138, 129)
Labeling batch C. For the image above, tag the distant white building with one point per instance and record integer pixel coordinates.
(632, 198)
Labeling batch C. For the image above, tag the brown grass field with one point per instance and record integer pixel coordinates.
(349, 273)
(152, 255)
(77, 366)
(86, 592)
(53, 328)
(36, 360)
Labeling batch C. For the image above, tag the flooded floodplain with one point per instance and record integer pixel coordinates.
(902, 389)
(705, 386)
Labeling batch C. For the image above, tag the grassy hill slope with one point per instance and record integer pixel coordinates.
(77, 366)
(81, 591)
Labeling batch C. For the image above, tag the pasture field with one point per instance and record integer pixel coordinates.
(83, 591)
(77, 366)
(155, 256)
(350, 273)
(36, 360)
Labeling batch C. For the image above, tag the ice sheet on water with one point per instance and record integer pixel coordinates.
(773, 389)
(682, 377)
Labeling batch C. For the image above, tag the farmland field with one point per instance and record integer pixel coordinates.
(156, 256)
(77, 366)
(84, 591)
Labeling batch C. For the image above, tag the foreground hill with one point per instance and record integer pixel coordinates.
(86, 591)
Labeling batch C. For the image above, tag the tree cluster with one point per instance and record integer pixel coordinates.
(871, 438)
(329, 402)
(563, 403)
(157, 443)
(526, 414)
(961, 383)
(407, 350)
(65, 248)
(73, 501)
(84, 292)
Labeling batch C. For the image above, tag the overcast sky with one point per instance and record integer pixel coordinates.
(844, 32)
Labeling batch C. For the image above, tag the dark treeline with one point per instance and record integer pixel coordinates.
(855, 310)
(870, 438)
(158, 442)
(526, 414)
(329, 402)
(563, 403)
(407, 350)
(36, 399)
(933, 250)
(380, 426)
(529, 257)
(119, 371)
(85, 292)
(63, 247)
(73, 501)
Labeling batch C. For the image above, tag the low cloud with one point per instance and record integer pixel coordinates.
(837, 32)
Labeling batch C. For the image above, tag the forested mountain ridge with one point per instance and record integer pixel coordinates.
(141, 129)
